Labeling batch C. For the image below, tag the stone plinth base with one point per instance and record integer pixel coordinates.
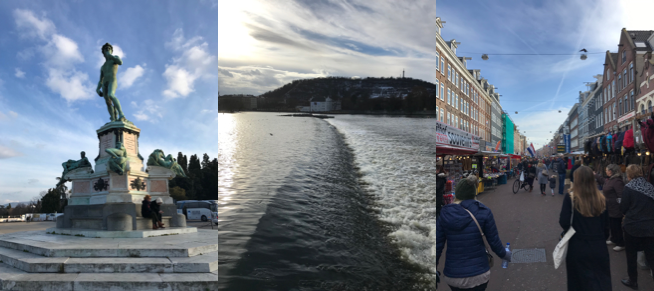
(36, 260)
(97, 216)
(122, 234)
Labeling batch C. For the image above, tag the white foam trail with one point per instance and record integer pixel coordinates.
(401, 174)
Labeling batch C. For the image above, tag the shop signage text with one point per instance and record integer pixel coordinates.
(452, 136)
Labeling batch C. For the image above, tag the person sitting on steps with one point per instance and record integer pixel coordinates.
(156, 209)
(150, 209)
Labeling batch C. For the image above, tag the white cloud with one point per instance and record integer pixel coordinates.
(130, 75)
(195, 62)
(61, 54)
(148, 110)
(10, 115)
(6, 152)
(32, 181)
(19, 73)
(30, 26)
(71, 85)
(180, 81)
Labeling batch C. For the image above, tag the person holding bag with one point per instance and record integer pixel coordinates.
(587, 259)
(463, 225)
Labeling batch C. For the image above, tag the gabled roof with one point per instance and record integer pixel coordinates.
(639, 36)
(317, 99)
(610, 59)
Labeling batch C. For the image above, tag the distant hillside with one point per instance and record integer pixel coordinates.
(339, 87)
(370, 94)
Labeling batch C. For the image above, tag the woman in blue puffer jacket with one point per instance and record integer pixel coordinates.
(466, 265)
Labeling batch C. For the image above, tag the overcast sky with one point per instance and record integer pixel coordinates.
(538, 86)
(266, 44)
(51, 58)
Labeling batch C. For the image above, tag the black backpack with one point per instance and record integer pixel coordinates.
(619, 138)
(587, 147)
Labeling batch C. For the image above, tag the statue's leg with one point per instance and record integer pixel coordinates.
(110, 107)
(112, 95)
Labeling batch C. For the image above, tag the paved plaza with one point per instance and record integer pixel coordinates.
(531, 221)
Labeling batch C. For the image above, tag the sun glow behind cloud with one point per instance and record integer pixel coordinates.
(308, 39)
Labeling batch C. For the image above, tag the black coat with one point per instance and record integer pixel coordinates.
(440, 190)
(638, 207)
(155, 207)
(146, 210)
(587, 261)
(612, 189)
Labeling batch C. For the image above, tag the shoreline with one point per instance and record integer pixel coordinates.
(431, 114)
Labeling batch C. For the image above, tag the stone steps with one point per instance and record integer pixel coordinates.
(36, 260)
(15, 279)
(99, 250)
(34, 263)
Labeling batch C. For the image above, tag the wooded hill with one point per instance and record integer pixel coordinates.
(377, 94)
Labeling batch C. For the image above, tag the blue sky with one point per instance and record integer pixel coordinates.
(266, 44)
(538, 86)
(51, 58)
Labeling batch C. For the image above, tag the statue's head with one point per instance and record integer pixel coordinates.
(107, 47)
(83, 154)
(119, 144)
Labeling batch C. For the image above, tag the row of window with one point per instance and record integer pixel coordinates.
(457, 79)
(454, 120)
(623, 82)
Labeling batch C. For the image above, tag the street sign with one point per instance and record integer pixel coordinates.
(560, 148)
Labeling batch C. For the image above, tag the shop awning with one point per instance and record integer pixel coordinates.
(452, 150)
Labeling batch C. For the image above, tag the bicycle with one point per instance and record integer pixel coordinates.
(517, 185)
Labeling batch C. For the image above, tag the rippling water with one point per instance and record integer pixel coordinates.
(340, 204)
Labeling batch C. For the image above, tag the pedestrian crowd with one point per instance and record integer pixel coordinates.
(600, 209)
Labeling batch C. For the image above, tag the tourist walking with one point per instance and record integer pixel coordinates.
(587, 260)
(612, 189)
(467, 264)
(542, 177)
(552, 181)
(561, 170)
(530, 175)
(638, 207)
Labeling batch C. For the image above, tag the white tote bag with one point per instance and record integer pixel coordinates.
(522, 177)
(562, 247)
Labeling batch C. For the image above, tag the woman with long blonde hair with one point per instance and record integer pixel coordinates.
(587, 261)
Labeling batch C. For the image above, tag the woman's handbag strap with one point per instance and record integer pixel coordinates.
(477, 223)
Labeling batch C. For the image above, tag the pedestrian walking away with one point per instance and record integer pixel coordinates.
(637, 204)
(587, 259)
(530, 175)
(542, 177)
(612, 190)
(552, 181)
(467, 264)
(561, 170)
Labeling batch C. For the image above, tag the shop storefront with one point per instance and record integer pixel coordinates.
(455, 150)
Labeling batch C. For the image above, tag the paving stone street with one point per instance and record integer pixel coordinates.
(531, 221)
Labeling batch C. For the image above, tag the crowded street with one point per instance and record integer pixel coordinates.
(531, 221)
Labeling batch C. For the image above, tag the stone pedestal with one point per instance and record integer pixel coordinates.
(102, 196)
